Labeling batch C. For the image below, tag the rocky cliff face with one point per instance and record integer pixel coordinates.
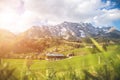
(65, 30)
(70, 31)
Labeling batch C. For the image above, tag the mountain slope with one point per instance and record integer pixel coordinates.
(66, 30)
(6, 35)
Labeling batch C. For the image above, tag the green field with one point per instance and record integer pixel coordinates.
(77, 63)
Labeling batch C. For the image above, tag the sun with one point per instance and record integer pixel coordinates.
(15, 22)
(11, 21)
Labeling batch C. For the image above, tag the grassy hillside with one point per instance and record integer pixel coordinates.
(78, 63)
(87, 59)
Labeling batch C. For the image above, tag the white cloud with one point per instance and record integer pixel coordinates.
(69, 10)
(107, 17)
(21, 14)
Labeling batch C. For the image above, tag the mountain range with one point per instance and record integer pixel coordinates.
(65, 30)
(71, 31)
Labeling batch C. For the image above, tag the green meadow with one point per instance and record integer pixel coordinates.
(40, 68)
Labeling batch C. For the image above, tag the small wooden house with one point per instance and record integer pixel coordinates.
(55, 56)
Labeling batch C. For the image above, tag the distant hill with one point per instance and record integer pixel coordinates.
(5, 34)
(6, 41)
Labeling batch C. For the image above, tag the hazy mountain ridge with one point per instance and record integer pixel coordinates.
(6, 35)
(67, 30)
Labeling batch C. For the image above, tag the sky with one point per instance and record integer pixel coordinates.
(19, 15)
